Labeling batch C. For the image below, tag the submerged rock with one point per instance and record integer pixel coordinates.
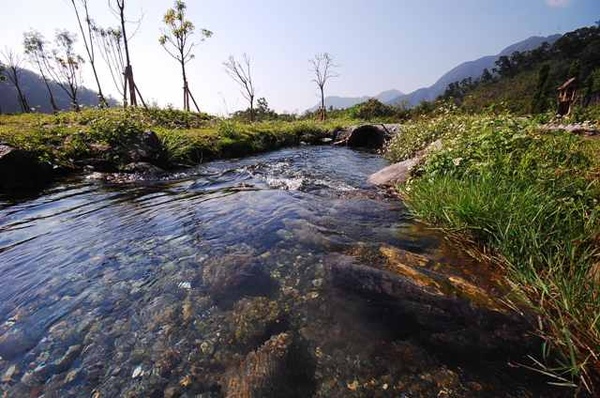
(255, 319)
(234, 276)
(449, 323)
(273, 370)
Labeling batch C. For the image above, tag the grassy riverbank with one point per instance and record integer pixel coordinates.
(187, 138)
(531, 198)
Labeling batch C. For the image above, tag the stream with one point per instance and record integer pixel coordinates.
(267, 276)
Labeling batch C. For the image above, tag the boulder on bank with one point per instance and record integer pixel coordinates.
(369, 136)
(21, 170)
(143, 148)
(399, 173)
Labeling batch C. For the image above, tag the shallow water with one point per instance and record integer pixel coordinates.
(163, 288)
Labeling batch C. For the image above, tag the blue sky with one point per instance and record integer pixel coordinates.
(379, 44)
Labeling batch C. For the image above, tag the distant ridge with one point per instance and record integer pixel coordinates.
(472, 69)
(37, 95)
(347, 102)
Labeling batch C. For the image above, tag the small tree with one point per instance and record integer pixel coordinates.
(129, 83)
(35, 49)
(176, 42)
(241, 74)
(323, 67)
(12, 63)
(66, 70)
(88, 42)
(111, 49)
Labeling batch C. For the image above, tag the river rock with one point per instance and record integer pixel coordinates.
(145, 147)
(21, 170)
(143, 168)
(398, 173)
(10, 373)
(135, 153)
(449, 323)
(234, 276)
(269, 372)
(255, 319)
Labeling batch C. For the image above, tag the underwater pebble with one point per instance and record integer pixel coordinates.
(9, 374)
(72, 375)
(137, 372)
(207, 348)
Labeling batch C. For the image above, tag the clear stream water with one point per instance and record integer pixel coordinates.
(163, 288)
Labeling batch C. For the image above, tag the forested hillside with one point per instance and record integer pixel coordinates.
(527, 82)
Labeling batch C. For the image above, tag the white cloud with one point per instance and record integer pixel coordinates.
(558, 3)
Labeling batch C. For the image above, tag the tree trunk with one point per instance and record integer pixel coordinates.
(186, 97)
(128, 68)
(89, 48)
(131, 84)
(50, 94)
(251, 109)
(323, 111)
(21, 96)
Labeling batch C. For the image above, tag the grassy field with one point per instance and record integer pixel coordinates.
(188, 138)
(532, 199)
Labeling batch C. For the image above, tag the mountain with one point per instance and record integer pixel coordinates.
(472, 69)
(528, 84)
(347, 102)
(37, 95)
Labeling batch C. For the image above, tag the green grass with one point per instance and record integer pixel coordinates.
(188, 138)
(532, 198)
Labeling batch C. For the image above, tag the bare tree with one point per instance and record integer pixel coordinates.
(176, 42)
(12, 63)
(111, 49)
(88, 42)
(323, 67)
(66, 68)
(131, 86)
(241, 74)
(35, 49)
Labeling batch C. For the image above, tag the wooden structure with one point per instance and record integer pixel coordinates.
(567, 95)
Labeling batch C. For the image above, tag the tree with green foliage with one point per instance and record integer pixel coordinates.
(12, 62)
(371, 109)
(36, 51)
(175, 39)
(324, 69)
(241, 74)
(539, 102)
(504, 66)
(87, 35)
(486, 76)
